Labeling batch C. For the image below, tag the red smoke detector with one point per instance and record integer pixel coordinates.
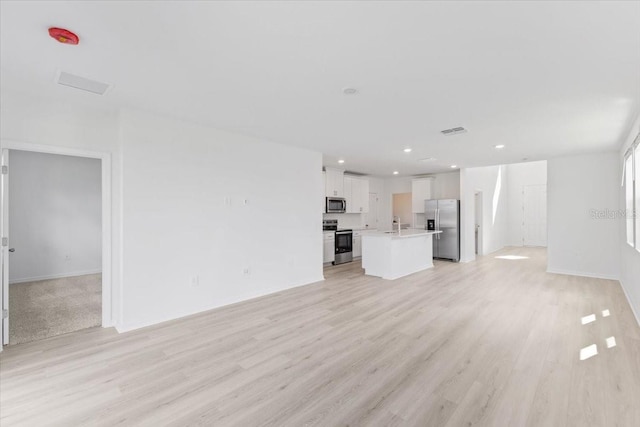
(63, 36)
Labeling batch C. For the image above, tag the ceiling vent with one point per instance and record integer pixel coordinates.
(453, 131)
(71, 80)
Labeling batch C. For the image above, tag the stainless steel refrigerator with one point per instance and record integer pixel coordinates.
(444, 215)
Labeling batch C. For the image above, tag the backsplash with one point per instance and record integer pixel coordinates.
(347, 220)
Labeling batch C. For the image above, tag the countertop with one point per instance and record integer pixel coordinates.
(402, 235)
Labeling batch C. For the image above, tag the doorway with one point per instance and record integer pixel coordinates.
(402, 209)
(56, 242)
(478, 222)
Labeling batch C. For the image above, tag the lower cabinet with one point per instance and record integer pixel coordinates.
(329, 247)
(357, 244)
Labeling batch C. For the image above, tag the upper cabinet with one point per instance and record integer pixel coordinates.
(334, 182)
(420, 191)
(356, 192)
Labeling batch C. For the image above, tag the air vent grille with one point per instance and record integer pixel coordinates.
(453, 131)
(77, 82)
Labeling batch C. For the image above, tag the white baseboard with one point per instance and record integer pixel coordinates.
(127, 327)
(55, 276)
(633, 309)
(582, 274)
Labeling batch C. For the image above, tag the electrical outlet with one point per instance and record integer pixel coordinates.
(67, 258)
(246, 271)
(227, 201)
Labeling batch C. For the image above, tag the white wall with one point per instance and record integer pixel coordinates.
(629, 257)
(520, 175)
(55, 216)
(578, 243)
(492, 181)
(185, 216)
(170, 223)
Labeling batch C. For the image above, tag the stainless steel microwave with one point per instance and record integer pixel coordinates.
(336, 205)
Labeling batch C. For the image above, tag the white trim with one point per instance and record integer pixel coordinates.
(105, 157)
(55, 276)
(633, 310)
(582, 274)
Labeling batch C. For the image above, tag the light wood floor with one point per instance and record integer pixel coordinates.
(495, 342)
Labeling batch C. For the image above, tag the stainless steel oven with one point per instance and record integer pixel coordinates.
(336, 205)
(343, 241)
(344, 246)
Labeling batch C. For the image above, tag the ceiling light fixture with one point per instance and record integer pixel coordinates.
(407, 150)
(396, 172)
(341, 161)
(350, 91)
(499, 146)
(454, 166)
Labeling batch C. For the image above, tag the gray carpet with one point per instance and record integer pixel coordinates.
(47, 308)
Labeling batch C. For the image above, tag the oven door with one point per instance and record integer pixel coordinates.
(344, 242)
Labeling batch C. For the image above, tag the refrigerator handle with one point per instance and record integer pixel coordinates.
(438, 223)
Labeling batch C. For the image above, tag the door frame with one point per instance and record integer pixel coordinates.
(105, 163)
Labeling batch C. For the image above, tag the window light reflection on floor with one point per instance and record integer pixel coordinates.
(588, 319)
(611, 342)
(588, 352)
(512, 257)
(605, 313)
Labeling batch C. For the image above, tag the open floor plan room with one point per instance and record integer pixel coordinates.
(320, 213)
(496, 342)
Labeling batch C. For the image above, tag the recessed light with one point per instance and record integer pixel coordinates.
(396, 172)
(341, 161)
(350, 91)
(407, 150)
(499, 146)
(454, 166)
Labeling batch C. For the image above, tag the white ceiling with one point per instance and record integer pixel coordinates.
(543, 78)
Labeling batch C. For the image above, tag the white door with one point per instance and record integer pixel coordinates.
(4, 232)
(371, 217)
(534, 224)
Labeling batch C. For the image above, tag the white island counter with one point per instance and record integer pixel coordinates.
(392, 255)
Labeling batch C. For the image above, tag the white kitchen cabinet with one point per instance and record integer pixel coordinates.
(364, 194)
(356, 192)
(334, 182)
(329, 247)
(357, 244)
(348, 193)
(420, 191)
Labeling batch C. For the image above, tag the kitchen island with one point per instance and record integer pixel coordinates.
(394, 254)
